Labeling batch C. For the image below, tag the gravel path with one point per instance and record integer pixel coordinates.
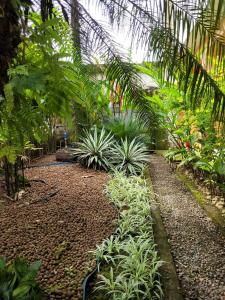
(197, 246)
(60, 230)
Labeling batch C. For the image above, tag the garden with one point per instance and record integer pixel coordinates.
(112, 168)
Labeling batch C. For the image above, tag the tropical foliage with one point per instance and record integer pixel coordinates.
(128, 127)
(99, 150)
(41, 85)
(45, 74)
(197, 141)
(47, 79)
(176, 34)
(18, 280)
(200, 147)
(129, 156)
(185, 40)
(130, 256)
(93, 151)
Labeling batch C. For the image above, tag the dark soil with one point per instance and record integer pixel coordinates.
(197, 245)
(58, 222)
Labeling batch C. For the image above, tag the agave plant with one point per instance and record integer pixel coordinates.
(93, 151)
(129, 157)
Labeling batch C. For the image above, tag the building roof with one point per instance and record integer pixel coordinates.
(147, 81)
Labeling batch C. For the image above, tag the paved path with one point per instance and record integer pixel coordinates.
(197, 246)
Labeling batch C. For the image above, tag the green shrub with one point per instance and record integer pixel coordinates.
(129, 128)
(129, 156)
(18, 280)
(93, 151)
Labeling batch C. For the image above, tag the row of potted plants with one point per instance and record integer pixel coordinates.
(128, 263)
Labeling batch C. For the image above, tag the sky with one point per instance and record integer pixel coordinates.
(120, 36)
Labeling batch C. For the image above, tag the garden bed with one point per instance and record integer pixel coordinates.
(129, 263)
(58, 220)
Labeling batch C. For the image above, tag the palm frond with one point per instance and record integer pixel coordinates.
(178, 34)
(184, 36)
(180, 65)
(95, 39)
(202, 22)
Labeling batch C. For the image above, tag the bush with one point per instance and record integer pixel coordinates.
(129, 156)
(93, 151)
(128, 128)
(18, 280)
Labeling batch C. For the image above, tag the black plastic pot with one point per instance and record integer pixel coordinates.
(86, 284)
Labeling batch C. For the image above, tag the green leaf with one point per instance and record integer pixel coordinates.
(21, 291)
(35, 266)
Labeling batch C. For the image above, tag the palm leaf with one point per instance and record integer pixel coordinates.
(175, 33)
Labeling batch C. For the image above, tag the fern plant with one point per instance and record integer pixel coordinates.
(129, 157)
(93, 151)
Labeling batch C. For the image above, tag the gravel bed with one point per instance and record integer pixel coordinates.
(43, 159)
(197, 245)
(59, 230)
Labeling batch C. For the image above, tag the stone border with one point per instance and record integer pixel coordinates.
(211, 210)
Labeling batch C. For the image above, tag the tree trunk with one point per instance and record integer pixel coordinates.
(7, 176)
(9, 39)
(76, 28)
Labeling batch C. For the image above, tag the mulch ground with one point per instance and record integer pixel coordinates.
(58, 221)
(43, 160)
(196, 243)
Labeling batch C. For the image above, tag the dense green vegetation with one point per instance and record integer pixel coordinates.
(100, 150)
(18, 280)
(128, 260)
(45, 73)
(49, 73)
(197, 141)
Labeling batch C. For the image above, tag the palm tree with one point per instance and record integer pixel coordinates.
(176, 34)
(75, 24)
(9, 39)
(184, 38)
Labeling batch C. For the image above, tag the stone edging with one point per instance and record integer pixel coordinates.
(211, 210)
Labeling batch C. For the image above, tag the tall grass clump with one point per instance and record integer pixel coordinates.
(129, 128)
